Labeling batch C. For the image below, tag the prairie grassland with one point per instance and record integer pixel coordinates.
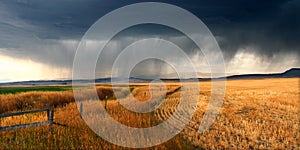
(260, 114)
(76, 134)
(33, 100)
(14, 90)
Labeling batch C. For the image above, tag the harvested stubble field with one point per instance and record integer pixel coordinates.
(256, 113)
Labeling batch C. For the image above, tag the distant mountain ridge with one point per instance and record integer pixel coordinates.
(294, 72)
(291, 73)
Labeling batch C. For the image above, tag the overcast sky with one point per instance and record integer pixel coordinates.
(38, 39)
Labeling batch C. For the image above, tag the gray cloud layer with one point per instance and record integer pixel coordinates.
(49, 31)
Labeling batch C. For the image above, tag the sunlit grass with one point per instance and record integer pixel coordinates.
(256, 114)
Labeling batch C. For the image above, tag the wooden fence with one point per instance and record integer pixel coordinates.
(49, 121)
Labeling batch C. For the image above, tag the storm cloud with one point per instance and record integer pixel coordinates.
(48, 32)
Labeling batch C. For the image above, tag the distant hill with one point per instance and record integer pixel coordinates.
(291, 73)
(294, 72)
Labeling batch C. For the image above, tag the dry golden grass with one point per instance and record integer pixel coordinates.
(256, 114)
(77, 135)
(33, 100)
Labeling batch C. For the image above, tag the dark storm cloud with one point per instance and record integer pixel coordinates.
(56, 19)
(267, 32)
(41, 30)
(47, 31)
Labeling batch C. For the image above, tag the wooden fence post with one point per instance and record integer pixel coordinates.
(48, 111)
(80, 110)
(105, 101)
(50, 116)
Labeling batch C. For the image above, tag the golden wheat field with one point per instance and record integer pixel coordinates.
(256, 114)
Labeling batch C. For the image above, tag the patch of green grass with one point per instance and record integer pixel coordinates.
(14, 90)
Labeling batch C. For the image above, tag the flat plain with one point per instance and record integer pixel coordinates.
(256, 114)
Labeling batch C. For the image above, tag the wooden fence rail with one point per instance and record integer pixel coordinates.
(49, 121)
